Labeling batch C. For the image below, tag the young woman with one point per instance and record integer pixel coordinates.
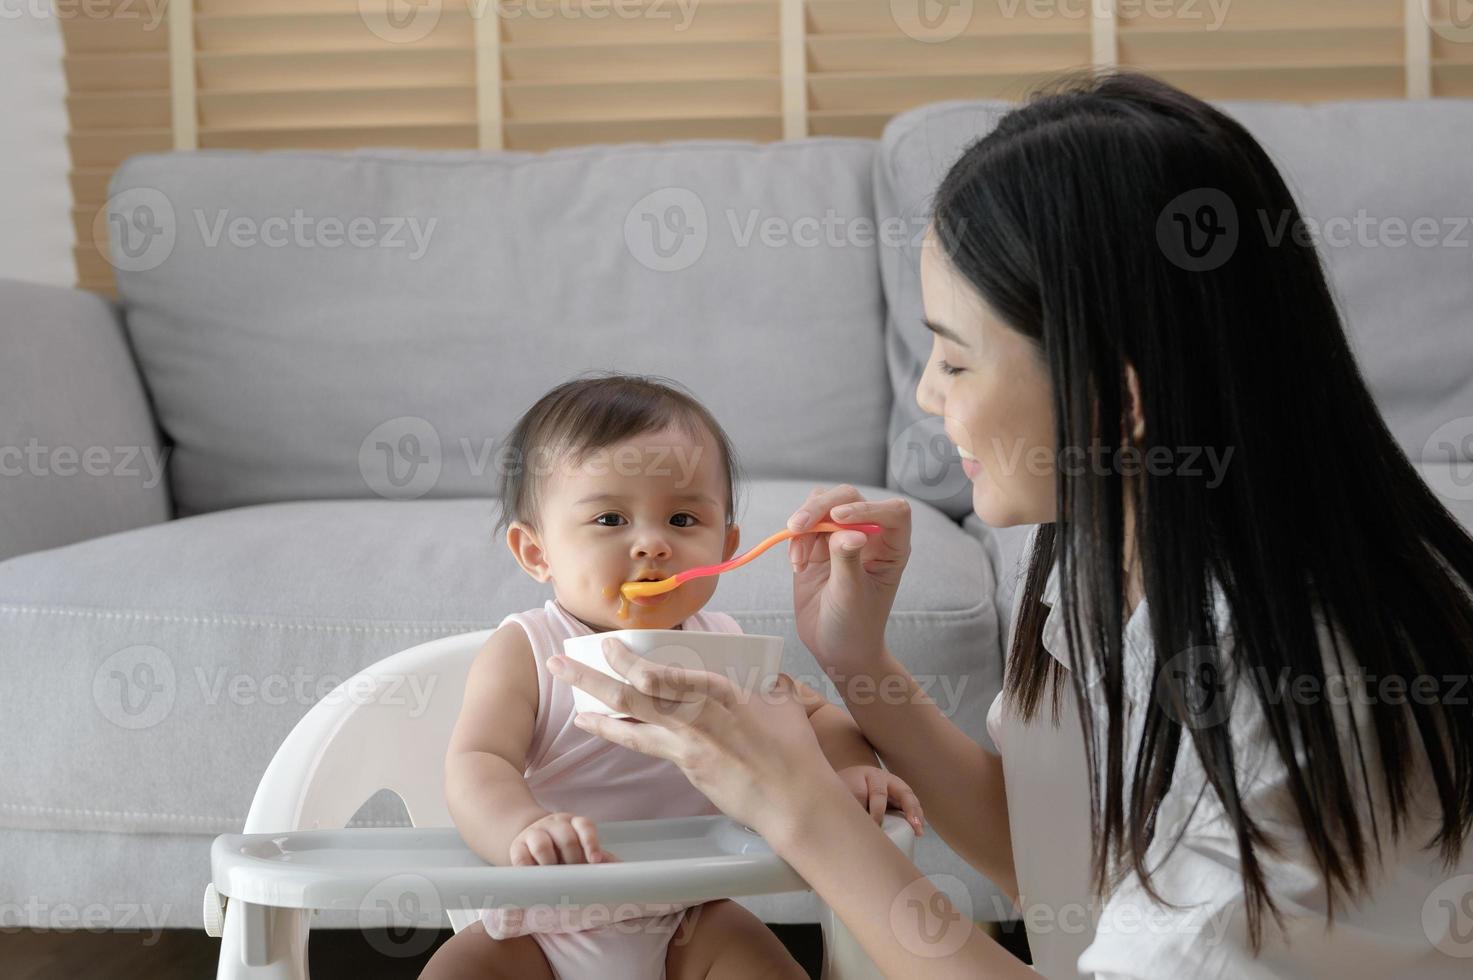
(1263, 664)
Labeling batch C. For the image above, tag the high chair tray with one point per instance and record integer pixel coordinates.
(684, 859)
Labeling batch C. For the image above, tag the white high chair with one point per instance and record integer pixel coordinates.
(377, 731)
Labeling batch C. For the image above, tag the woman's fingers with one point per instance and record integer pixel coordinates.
(845, 505)
(815, 547)
(647, 739)
(820, 501)
(892, 514)
(662, 682)
(620, 696)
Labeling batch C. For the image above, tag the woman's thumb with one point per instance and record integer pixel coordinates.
(845, 547)
(781, 684)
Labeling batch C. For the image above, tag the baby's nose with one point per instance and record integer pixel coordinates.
(652, 548)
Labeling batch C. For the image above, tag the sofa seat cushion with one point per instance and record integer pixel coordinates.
(152, 673)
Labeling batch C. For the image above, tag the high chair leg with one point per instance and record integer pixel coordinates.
(843, 957)
(262, 943)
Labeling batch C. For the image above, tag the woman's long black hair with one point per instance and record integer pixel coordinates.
(1098, 219)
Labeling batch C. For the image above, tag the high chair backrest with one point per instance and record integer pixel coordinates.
(386, 727)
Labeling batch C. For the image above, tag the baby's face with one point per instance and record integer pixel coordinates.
(652, 505)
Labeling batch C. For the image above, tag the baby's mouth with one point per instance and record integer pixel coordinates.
(650, 576)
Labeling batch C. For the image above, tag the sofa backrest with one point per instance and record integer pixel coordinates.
(314, 324)
(1386, 195)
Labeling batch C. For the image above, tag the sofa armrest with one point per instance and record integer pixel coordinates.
(80, 455)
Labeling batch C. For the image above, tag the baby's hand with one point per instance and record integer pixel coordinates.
(877, 788)
(558, 838)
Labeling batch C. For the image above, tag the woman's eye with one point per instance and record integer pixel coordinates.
(600, 519)
(947, 368)
(691, 517)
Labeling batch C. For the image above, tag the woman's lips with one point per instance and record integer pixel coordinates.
(970, 466)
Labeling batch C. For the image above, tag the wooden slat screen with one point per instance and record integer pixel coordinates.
(539, 74)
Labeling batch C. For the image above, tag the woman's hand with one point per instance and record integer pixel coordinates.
(753, 754)
(844, 583)
(878, 789)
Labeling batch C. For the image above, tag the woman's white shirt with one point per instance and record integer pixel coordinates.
(1418, 922)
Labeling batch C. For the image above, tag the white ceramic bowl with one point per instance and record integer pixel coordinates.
(748, 660)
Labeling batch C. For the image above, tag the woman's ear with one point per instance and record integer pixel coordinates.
(526, 548)
(733, 538)
(1136, 413)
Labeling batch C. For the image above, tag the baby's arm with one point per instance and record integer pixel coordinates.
(854, 759)
(488, 798)
(843, 744)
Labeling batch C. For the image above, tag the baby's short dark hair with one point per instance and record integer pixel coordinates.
(589, 413)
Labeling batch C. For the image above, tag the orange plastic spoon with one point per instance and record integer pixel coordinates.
(639, 590)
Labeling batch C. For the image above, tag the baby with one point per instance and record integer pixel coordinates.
(610, 479)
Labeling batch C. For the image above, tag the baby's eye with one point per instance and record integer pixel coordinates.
(947, 368)
(599, 520)
(679, 516)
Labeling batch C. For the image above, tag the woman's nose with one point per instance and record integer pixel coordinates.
(926, 396)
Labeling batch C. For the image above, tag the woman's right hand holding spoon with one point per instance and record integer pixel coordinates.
(844, 582)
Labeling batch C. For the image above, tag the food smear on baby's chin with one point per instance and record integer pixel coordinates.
(625, 607)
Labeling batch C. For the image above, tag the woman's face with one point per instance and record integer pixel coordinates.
(997, 405)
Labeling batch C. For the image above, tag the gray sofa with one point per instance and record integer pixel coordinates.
(272, 463)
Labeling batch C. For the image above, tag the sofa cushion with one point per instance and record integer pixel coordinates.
(1378, 166)
(155, 671)
(296, 313)
(79, 453)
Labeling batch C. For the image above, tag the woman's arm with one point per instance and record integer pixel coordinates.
(844, 585)
(757, 759)
(959, 783)
(908, 927)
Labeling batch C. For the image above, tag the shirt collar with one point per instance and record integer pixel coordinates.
(1139, 657)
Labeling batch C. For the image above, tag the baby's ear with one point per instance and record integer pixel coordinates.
(527, 550)
(733, 538)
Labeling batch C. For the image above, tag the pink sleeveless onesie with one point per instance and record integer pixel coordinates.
(578, 772)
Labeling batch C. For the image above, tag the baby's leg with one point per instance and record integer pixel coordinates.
(723, 941)
(471, 954)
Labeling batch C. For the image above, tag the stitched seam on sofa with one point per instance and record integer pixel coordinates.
(89, 812)
(228, 620)
(920, 615)
(552, 156)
